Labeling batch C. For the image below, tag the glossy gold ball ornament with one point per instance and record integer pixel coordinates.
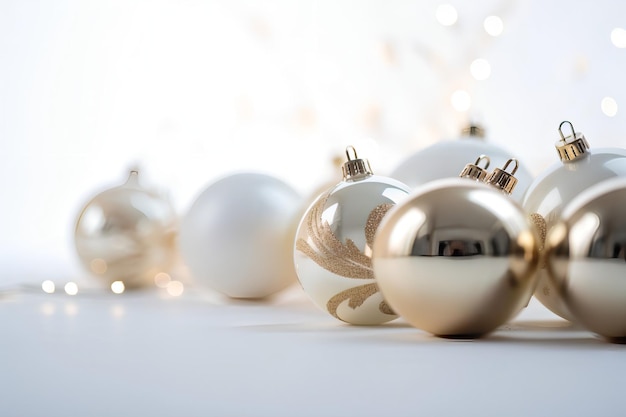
(458, 257)
(334, 240)
(586, 259)
(579, 168)
(127, 233)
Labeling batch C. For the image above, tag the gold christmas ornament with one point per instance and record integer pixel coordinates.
(579, 167)
(586, 259)
(458, 257)
(127, 233)
(334, 240)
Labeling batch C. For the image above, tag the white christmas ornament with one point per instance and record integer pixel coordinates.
(443, 159)
(237, 237)
(579, 168)
(334, 243)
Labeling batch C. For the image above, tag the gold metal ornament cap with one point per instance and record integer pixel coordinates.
(503, 180)
(355, 168)
(572, 147)
(474, 171)
(474, 131)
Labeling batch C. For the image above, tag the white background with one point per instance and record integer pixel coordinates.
(192, 90)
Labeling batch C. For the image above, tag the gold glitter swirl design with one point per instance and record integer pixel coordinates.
(345, 260)
(542, 229)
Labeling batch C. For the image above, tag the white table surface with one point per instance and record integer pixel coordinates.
(147, 354)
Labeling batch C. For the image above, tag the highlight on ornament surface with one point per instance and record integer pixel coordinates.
(586, 259)
(126, 234)
(237, 236)
(457, 258)
(579, 167)
(334, 240)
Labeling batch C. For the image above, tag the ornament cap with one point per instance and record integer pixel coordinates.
(502, 179)
(474, 131)
(133, 178)
(474, 171)
(355, 168)
(572, 147)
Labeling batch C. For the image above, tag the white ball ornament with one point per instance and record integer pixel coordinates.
(127, 233)
(443, 159)
(334, 242)
(458, 257)
(586, 259)
(578, 169)
(237, 236)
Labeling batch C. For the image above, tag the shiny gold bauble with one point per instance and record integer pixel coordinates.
(586, 259)
(126, 233)
(456, 259)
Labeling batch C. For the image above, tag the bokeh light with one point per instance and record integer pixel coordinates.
(618, 37)
(461, 100)
(48, 286)
(71, 288)
(446, 14)
(493, 25)
(480, 69)
(609, 106)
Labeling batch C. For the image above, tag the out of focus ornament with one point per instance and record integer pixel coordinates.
(127, 234)
(334, 242)
(237, 236)
(586, 258)
(443, 159)
(458, 257)
(579, 168)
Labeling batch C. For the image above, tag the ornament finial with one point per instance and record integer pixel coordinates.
(475, 171)
(473, 130)
(133, 178)
(571, 147)
(355, 168)
(502, 179)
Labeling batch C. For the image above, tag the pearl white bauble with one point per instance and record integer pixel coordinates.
(457, 258)
(558, 185)
(443, 159)
(333, 246)
(586, 256)
(237, 236)
(127, 234)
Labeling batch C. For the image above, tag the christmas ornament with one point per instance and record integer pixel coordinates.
(443, 159)
(586, 254)
(579, 168)
(334, 240)
(458, 257)
(237, 236)
(127, 233)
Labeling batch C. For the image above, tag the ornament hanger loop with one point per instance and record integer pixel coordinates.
(483, 158)
(133, 177)
(571, 127)
(348, 149)
(508, 163)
